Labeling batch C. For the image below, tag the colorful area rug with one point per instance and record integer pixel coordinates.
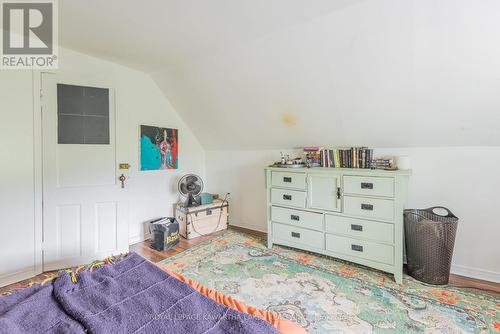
(325, 295)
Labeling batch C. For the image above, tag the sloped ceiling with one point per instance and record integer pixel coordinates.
(262, 74)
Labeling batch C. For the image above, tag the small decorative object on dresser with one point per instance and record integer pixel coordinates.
(352, 214)
(203, 219)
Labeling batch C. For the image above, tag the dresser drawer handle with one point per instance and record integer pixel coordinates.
(287, 179)
(357, 248)
(294, 217)
(287, 197)
(368, 207)
(366, 185)
(355, 227)
(295, 235)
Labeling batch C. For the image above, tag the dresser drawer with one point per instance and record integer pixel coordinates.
(288, 197)
(369, 185)
(296, 236)
(289, 180)
(304, 219)
(375, 208)
(358, 228)
(360, 248)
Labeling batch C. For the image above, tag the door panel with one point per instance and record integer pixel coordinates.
(85, 208)
(68, 225)
(98, 169)
(322, 192)
(106, 226)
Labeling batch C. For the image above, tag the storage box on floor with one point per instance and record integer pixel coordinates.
(203, 219)
(164, 233)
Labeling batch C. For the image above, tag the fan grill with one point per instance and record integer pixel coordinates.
(189, 186)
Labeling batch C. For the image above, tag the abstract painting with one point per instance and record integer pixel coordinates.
(159, 148)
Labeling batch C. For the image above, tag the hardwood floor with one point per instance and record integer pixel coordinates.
(473, 283)
(143, 249)
(152, 255)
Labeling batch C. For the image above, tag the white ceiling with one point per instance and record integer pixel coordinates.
(254, 74)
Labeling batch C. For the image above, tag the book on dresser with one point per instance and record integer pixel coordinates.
(352, 157)
(351, 214)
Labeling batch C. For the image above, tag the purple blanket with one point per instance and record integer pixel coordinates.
(131, 296)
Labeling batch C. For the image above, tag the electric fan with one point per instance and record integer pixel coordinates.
(189, 186)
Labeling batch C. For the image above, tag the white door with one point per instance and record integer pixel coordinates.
(84, 209)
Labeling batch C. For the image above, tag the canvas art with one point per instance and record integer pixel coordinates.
(159, 148)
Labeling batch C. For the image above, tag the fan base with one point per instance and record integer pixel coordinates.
(190, 201)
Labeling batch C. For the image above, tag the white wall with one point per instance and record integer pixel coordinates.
(241, 173)
(373, 72)
(17, 201)
(464, 179)
(138, 101)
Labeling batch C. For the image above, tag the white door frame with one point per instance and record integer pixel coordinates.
(37, 268)
(38, 156)
(37, 170)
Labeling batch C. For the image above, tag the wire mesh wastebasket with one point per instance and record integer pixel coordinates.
(430, 239)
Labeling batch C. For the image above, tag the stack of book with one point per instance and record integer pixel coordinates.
(354, 157)
(312, 156)
(327, 158)
(383, 163)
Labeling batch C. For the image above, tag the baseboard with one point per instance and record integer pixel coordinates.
(485, 275)
(16, 277)
(135, 239)
(250, 227)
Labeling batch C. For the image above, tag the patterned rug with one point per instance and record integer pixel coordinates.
(325, 295)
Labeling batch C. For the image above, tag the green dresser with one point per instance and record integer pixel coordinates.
(352, 214)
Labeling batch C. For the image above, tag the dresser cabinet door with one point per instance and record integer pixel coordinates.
(322, 192)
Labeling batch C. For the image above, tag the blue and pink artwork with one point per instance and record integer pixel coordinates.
(159, 148)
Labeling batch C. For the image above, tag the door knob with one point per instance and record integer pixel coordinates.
(122, 179)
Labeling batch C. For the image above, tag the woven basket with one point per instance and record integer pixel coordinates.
(430, 239)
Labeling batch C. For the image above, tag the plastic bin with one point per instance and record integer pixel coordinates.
(430, 239)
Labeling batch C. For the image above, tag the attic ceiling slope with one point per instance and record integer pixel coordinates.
(153, 34)
(377, 73)
(286, 73)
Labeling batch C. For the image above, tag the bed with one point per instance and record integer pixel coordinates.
(132, 296)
